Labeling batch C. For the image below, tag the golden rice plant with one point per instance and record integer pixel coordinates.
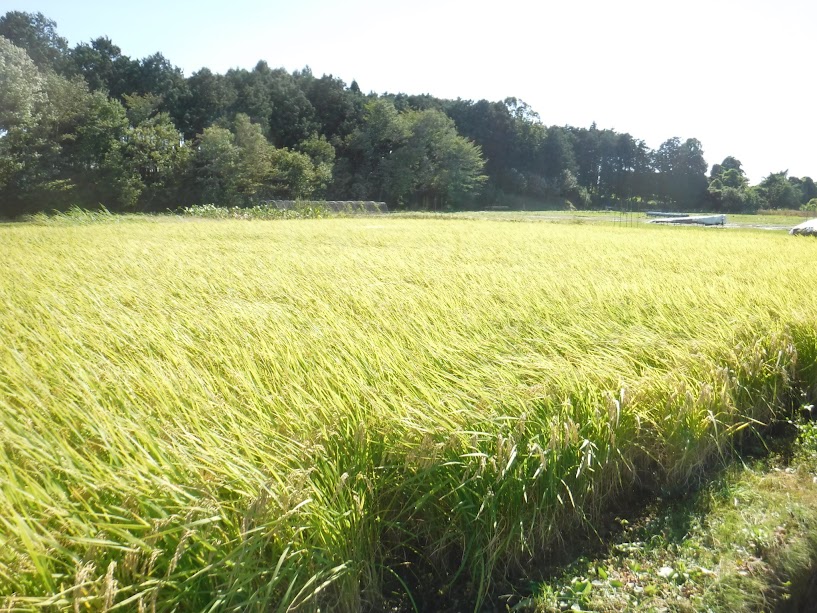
(277, 415)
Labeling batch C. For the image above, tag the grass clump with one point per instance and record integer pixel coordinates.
(233, 416)
(75, 215)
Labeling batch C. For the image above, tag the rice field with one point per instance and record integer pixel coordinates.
(204, 415)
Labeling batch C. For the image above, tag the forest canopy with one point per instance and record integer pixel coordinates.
(88, 125)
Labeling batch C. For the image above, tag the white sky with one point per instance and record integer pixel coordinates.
(738, 75)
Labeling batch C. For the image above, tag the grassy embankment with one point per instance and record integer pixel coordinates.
(250, 416)
(745, 542)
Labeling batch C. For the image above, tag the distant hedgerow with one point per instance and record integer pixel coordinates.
(286, 209)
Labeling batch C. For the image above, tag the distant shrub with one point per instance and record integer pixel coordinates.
(811, 205)
(286, 209)
(259, 211)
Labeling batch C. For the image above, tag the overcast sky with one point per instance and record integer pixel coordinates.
(740, 76)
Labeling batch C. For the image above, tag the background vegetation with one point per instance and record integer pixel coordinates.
(88, 125)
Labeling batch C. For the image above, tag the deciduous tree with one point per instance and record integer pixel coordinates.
(37, 34)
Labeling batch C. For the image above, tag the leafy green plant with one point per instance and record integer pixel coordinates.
(298, 209)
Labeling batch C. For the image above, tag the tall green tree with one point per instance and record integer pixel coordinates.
(778, 192)
(21, 87)
(22, 103)
(70, 151)
(92, 130)
(238, 166)
(215, 167)
(104, 68)
(157, 76)
(322, 156)
(729, 163)
(805, 188)
(37, 34)
(435, 166)
(491, 125)
(234, 165)
(681, 169)
(729, 188)
(272, 99)
(155, 152)
(337, 110)
(361, 173)
(808, 189)
(588, 156)
(557, 154)
(209, 98)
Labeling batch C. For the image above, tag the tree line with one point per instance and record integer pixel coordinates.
(88, 125)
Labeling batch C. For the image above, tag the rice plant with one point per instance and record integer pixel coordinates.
(298, 414)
